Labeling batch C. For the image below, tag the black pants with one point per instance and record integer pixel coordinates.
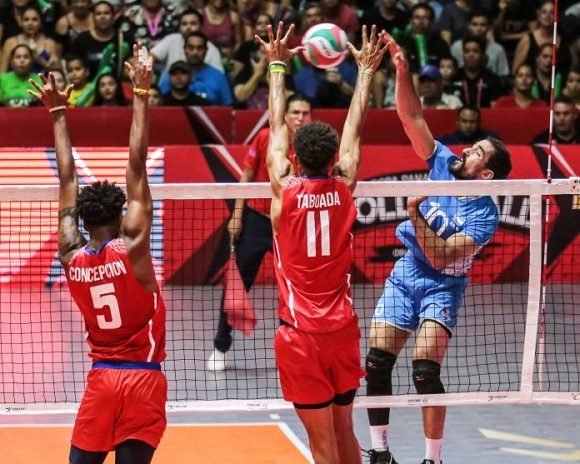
(254, 242)
(128, 452)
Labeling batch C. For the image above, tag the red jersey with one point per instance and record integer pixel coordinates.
(313, 254)
(256, 161)
(124, 321)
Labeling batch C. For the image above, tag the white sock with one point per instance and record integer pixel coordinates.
(380, 437)
(433, 449)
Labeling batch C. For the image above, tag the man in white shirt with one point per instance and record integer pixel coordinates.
(170, 49)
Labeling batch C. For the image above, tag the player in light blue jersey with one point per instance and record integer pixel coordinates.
(425, 289)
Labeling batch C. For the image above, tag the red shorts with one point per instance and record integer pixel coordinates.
(314, 367)
(118, 405)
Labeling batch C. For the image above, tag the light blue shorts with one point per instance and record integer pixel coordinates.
(414, 293)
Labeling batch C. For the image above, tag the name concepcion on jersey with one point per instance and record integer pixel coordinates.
(318, 200)
(93, 274)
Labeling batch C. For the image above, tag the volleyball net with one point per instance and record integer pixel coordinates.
(517, 338)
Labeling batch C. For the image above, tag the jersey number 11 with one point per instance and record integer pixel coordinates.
(311, 233)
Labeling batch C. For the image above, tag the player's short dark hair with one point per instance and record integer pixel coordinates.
(499, 161)
(100, 203)
(295, 97)
(315, 144)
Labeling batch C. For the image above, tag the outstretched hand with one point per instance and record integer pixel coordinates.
(48, 92)
(397, 55)
(141, 72)
(372, 50)
(276, 49)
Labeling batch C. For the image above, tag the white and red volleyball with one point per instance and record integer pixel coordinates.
(325, 45)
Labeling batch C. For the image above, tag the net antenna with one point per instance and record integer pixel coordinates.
(542, 335)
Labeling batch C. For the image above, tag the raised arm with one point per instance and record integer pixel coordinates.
(136, 226)
(408, 104)
(69, 235)
(367, 59)
(278, 55)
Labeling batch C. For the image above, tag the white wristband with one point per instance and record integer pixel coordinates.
(57, 108)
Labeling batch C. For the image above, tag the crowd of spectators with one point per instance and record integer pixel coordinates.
(478, 54)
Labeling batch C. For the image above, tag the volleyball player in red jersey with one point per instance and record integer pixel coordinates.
(112, 280)
(317, 345)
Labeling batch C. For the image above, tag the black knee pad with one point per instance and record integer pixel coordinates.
(379, 367)
(427, 377)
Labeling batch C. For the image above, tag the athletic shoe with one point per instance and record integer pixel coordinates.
(430, 461)
(216, 361)
(381, 457)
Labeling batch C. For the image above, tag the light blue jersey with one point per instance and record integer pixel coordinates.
(415, 291)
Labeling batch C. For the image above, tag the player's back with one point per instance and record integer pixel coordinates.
(124, 321)
(313, 253)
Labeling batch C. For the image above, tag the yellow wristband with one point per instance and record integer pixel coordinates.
(138, 91)
(276, 68)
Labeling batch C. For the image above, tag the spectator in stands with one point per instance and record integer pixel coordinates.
(11, 17)
(59, 78)
(78, 19)
(529, 44)
(78, 74)
(155, 97)
(387, 16)
(340, 13)
(327, 88)
(512, 23)
(521, 96)
(179, 80)
(249, 49)
(311, 15)
(572, 86)
(383, 85)
(249, 228)
(170, 48)
(250, 10)
(475, 85)
(206, 82)
(148, 21)
(448, 68)
(454, 19)
(102, 45)
(431, 90)
(14, 84)
(469, 128)
(566, 129)
(108, 91)
(423, 47)
(479, 26)
(543, 74)
(222, 26)
(45, 50)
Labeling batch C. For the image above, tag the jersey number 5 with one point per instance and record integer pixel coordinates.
(104, 296)
(324, 227)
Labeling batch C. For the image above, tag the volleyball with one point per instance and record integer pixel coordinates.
(325, 45)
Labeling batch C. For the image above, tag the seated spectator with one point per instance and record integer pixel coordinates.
(14, 84)
(469, 128)
(179, 80)
(513, 19)
(387, 16)
(170, 48)
(383, 84)
(11, 17)
(78, 75)
(475, 85)
(222, 27)
(572, 86)
(249, 49)
(59, 78)
(566, 129)
(45, 50)
(528, 46)
(206, 82)
(448, 68)
(327, 88)
(340, 13)
(423, 46)
(250, 9)
(108, 91)
(148, 21)
(431, 90)
(521, 96)
(454, 20)
(102, 45)
(155, 97)
(543, 73)
(479, 26)
(78, 19)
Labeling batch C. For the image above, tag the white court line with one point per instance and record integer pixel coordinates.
(296, 441)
